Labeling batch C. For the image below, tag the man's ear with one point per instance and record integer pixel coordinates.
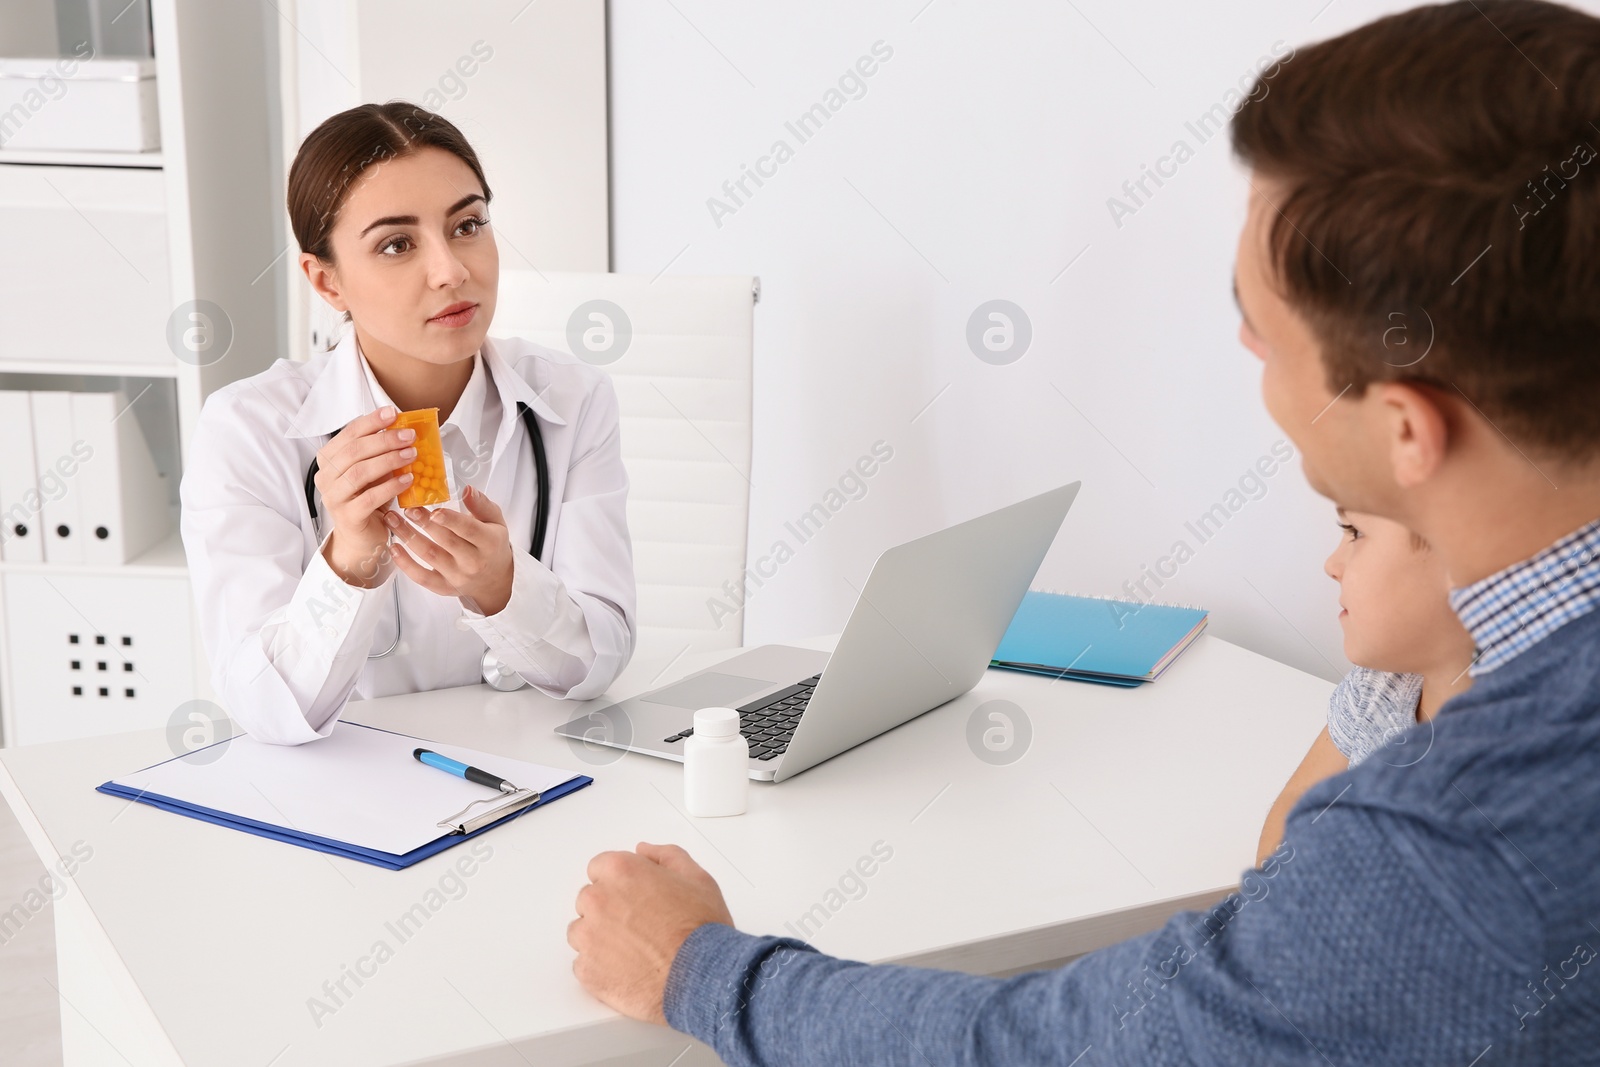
(1417, 429)
(323, 280)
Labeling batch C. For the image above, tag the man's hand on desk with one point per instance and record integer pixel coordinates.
(635, 913)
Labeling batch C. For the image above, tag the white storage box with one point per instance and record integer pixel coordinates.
(87, 105)
(104, 231)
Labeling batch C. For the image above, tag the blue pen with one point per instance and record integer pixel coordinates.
(461, 770)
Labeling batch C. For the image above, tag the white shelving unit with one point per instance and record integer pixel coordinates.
(147, 160)
(101, 250)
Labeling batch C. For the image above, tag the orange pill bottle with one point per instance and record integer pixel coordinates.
(429, 483)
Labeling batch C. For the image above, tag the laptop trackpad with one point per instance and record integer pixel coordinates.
(707, 691)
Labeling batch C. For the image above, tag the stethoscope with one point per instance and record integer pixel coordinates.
(495, 673)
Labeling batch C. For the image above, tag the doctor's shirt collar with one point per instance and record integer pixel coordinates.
(343, 391)
(466, 416)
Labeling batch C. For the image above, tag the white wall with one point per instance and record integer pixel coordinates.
(978, 165)
(525, 82)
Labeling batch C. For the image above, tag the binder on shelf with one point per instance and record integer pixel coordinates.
(21, 526)
(57, 466)
(123, 497)
(356, 793)
(1097, 639)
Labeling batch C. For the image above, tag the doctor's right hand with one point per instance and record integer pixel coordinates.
(356, 474)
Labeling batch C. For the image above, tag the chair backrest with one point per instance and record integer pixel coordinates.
(679, 352)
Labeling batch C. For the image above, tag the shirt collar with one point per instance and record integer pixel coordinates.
(1511, 611)
(342, 391)
(466, 416)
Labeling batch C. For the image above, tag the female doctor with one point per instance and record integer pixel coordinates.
(312, 586)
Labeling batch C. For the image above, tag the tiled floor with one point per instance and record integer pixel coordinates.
(30, 1013)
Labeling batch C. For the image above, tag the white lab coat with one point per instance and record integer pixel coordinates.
(289, 641)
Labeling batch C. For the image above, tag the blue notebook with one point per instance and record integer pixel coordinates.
(356, 793)
(1095, 639)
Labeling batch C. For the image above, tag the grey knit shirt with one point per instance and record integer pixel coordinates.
(1369, 708)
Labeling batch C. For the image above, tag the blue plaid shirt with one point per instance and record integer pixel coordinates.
(1510, 612)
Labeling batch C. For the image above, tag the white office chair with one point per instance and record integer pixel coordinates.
(683, 385)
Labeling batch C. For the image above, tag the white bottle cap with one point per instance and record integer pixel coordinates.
(716, 722)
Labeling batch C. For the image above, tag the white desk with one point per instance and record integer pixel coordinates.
(183, 942)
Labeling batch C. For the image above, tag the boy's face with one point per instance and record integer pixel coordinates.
(1395, 612)
(1343, 457)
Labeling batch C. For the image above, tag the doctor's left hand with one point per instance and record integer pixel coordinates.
(469, 551)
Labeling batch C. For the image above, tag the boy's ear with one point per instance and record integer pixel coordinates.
(323, 280)
(1416, 425)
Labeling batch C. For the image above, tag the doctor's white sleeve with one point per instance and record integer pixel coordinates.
(569, 628)
(287, 639)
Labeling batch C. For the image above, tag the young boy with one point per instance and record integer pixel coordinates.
(1410, 650)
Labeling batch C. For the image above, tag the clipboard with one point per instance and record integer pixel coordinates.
(356, 793)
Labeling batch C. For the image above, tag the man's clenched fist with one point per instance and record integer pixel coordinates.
(637, 910)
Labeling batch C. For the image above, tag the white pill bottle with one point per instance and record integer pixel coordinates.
(716, 765)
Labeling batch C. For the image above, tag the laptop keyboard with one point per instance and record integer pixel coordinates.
(768, 723)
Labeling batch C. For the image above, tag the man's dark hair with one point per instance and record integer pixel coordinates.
(1439, 191)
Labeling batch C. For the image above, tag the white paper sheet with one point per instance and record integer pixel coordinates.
(360, 786)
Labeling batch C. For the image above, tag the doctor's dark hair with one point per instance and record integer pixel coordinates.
(339, 150)
(1436, 183)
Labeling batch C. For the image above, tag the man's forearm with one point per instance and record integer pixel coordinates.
(761, 1001)
(1269, 975)
(748, 997)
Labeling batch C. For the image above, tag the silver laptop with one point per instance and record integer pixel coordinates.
(923, 630)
